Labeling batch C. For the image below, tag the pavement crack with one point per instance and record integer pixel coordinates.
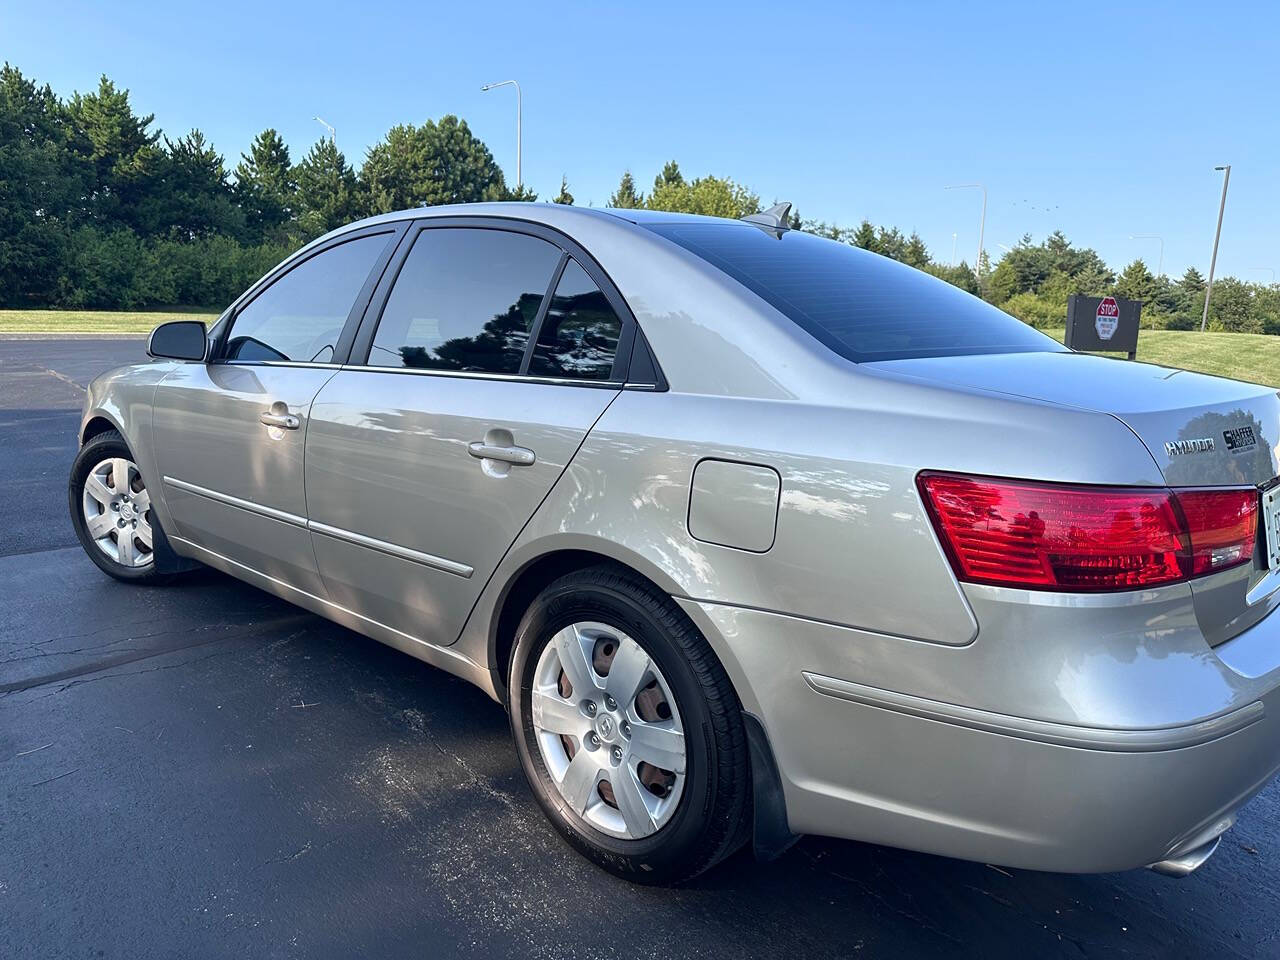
(17, 686)
(88, 633)
(300, 852)
(131, 673)
(65, 379)
(483, 784)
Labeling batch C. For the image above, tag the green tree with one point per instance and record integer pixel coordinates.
(119, 153)
(328, 193)
(1231, 308)
(432, 164)
(1192, 282)
(564, 196)
(669, 177)
(39, 186)
(625, 197)
(1136, 283)
(864, 236)
(709, 196)
(1027, 267)
(195, 199)
(960, 275)
(521, 194)
(1266, 303)
(265, 186)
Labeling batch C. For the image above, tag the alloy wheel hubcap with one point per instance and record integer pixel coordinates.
(608, 730)
(117, 512)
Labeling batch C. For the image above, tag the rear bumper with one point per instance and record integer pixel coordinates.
(1018, 799)
(867, 763)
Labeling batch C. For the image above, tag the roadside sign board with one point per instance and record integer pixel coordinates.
(1103, 324)
(1107, 318)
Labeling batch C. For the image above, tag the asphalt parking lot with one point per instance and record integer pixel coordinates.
(202, 770)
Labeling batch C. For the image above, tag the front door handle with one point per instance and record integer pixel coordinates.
(285, 421)
(518, 456)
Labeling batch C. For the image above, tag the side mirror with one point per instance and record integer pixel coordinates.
(178, 340)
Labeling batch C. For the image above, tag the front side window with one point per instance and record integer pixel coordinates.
(579, 335)
(301, 315)
(862, 306)
(465, 300)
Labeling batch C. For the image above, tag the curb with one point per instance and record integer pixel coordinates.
(71, 335)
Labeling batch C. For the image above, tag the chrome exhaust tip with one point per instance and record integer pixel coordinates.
(1186, 863)
(1197, 849)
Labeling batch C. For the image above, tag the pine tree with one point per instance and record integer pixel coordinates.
(1137, 283)
(120, 154)
(432, 164)
(564, 196)
(625, 197)
(265, 187)
(865, 237)
(669, 177)
(196, 200)
(914, 253)
(327, 191)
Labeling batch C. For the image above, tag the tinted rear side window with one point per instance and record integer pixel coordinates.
(861, 305)
(465, 299)
(579, 335)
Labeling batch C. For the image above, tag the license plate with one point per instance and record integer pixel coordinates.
(1271, 525)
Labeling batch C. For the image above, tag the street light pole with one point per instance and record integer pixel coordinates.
(982, 225)
(1213, 261)
(519, 111)
(954, 237)
(333, 134)
(1152, 236)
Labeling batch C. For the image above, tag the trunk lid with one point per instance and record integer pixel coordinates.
(1201, 431)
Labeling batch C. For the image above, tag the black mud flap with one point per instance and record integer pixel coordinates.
(771, 836)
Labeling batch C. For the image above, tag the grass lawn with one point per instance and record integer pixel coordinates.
(93, 321)
(1243, 356)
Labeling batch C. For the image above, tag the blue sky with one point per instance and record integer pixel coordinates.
(1101, 121)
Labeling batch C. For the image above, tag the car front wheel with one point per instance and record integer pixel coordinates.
(628, 728)
(111, 510)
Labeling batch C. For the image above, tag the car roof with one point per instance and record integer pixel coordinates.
(540, 212)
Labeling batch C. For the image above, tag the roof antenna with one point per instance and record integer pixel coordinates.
(775, 218)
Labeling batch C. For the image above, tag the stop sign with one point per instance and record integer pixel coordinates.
(1107, 319)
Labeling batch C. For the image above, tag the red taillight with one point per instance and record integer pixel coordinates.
(1223, 525)
(1047, 536)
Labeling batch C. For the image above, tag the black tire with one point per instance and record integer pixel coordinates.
(105, 445)
(711, 819)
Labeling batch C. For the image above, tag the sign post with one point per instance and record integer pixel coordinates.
(1103, 324)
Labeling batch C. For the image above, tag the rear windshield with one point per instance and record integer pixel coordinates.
(859, 304)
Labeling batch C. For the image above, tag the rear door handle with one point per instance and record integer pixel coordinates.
(285, 421)
(519, 456)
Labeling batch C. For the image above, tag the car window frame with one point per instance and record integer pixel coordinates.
(628, 335)
(222, 330)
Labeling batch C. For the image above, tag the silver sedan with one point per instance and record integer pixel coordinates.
(754, 534)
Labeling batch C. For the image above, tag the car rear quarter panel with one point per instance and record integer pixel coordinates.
(854, 546)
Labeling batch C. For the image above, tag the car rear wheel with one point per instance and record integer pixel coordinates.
(111, 510)
(628, 728)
